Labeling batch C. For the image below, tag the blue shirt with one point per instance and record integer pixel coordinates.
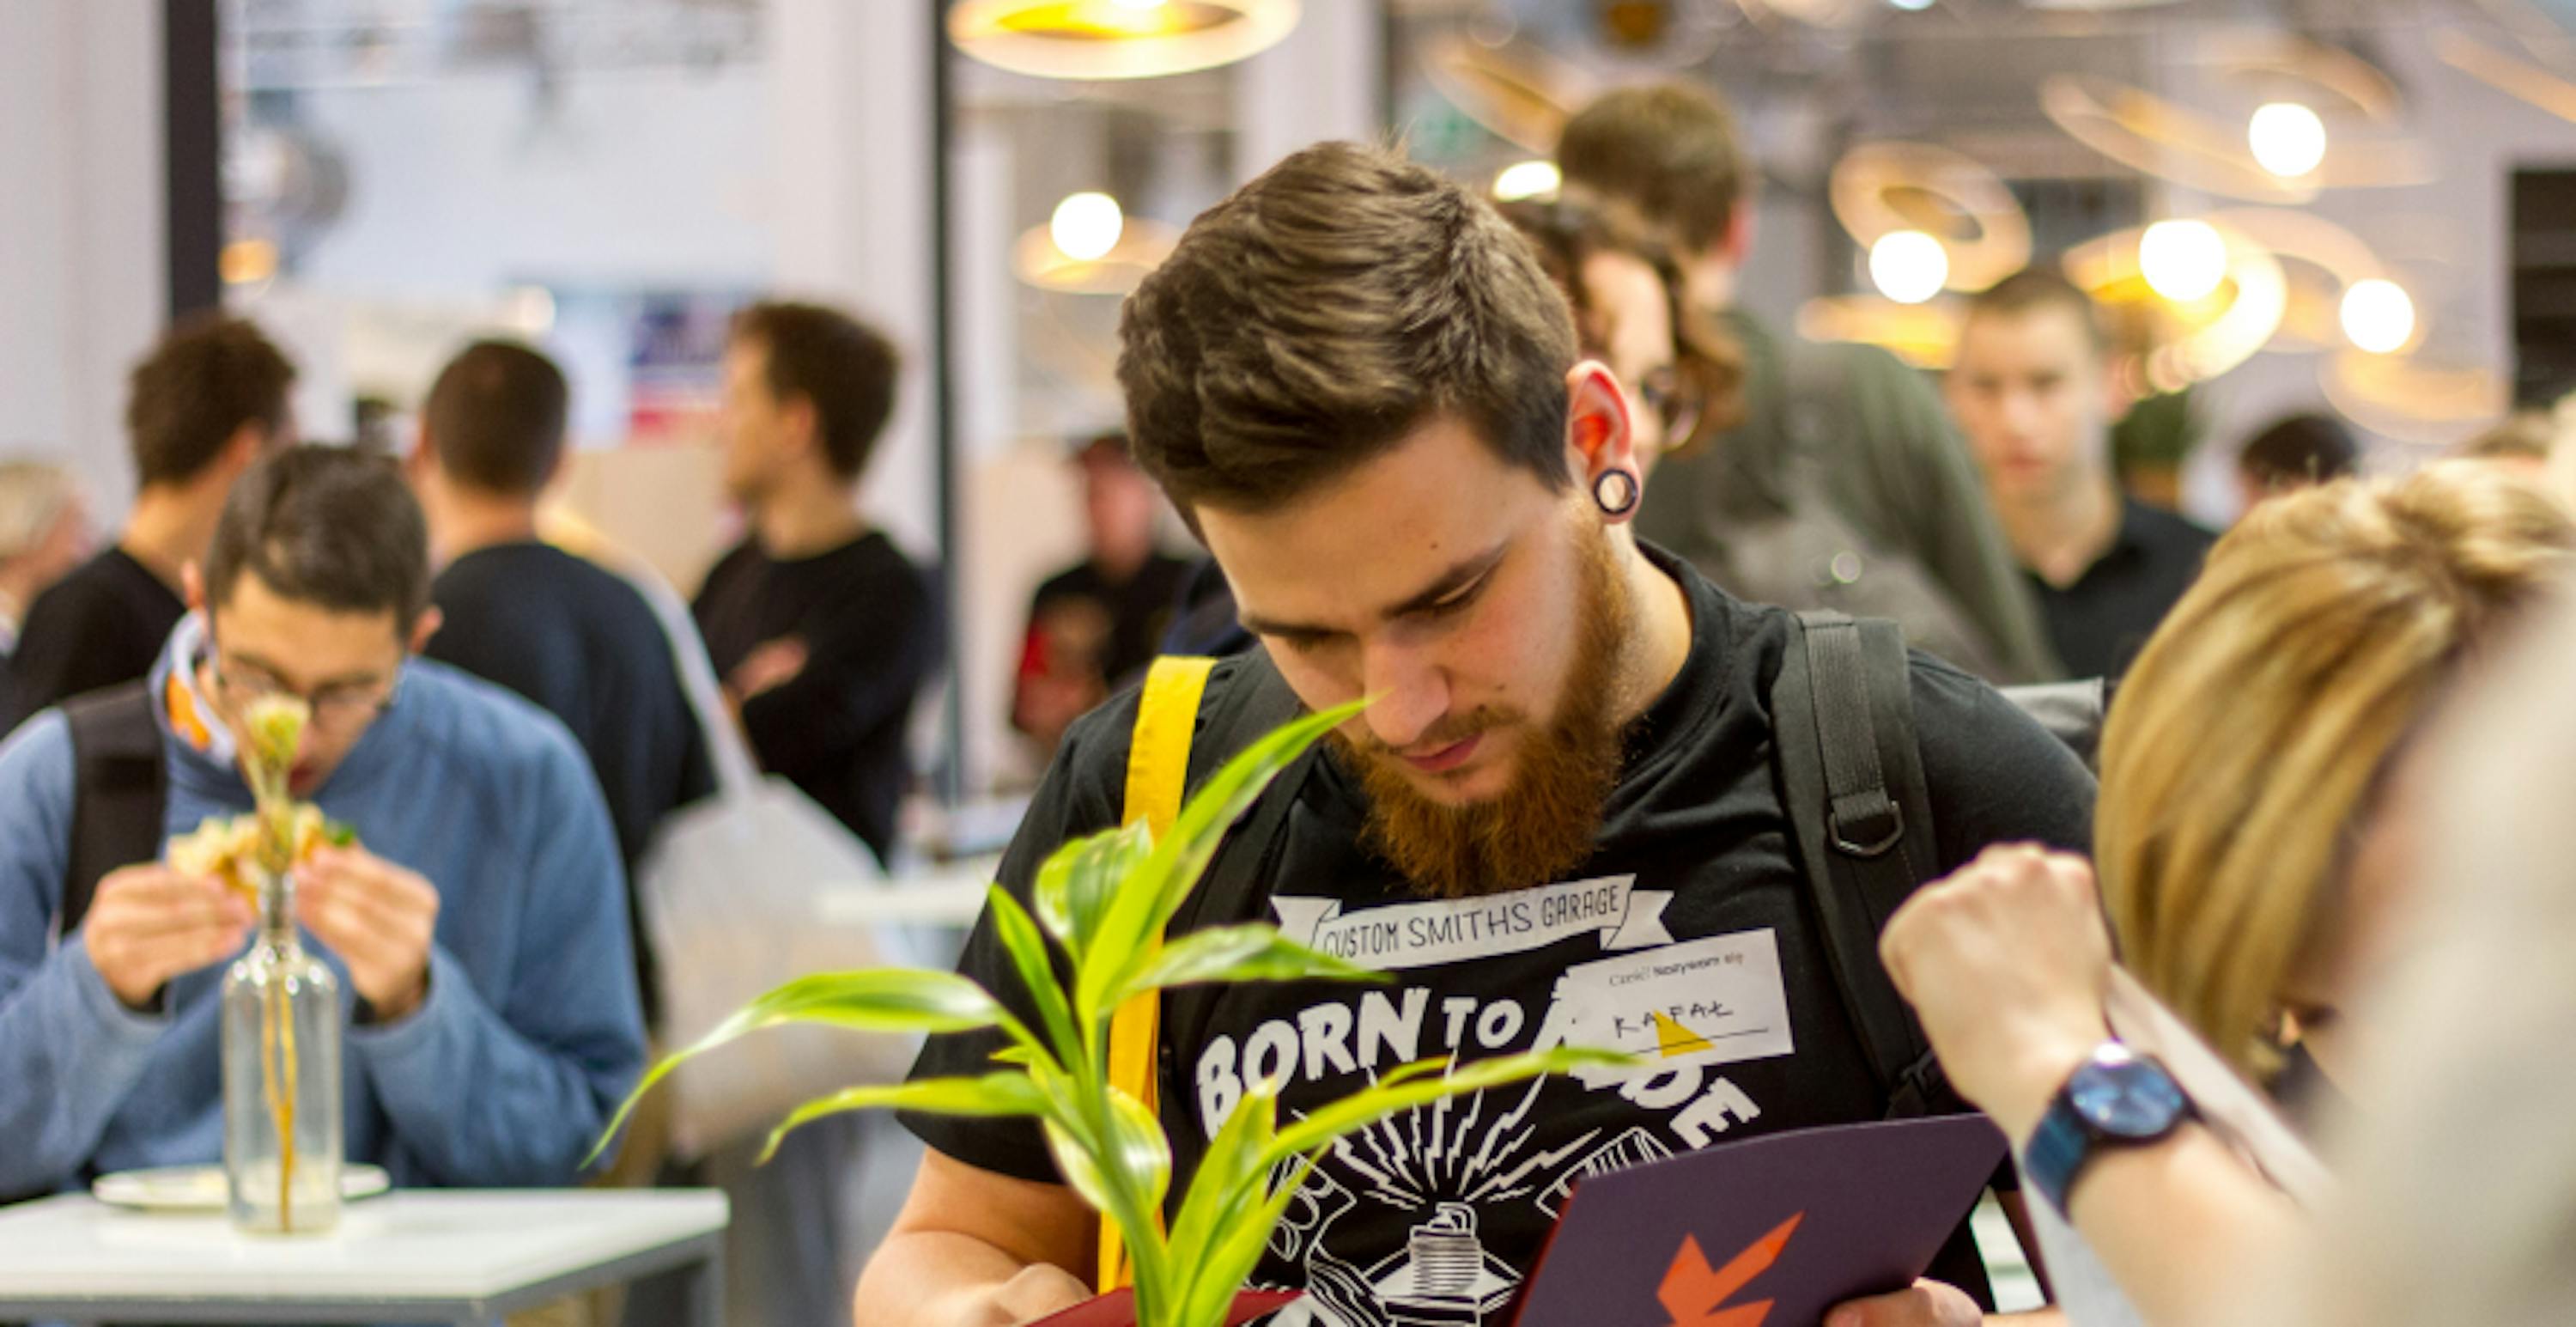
(503, 1075)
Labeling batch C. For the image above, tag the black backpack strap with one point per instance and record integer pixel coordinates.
(117, 791)
(1852, 782)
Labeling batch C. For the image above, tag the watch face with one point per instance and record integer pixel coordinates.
(2126, 1098)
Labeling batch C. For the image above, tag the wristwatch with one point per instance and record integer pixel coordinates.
(2116, 1098)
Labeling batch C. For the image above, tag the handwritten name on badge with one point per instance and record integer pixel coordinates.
(1422, 935)
(1714, 1001)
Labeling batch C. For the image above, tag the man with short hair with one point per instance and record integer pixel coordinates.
(1357, 383)
(1843, 486)
(1092, 627)
(575, 638)
(477, 921)
(824, 633)
(2032, 389)
(203, 407)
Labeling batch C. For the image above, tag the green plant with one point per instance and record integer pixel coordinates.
(1102, 903)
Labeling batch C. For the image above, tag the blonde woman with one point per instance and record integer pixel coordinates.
(2251, 836)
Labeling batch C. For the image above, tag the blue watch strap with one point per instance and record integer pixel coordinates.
(2056, 1150)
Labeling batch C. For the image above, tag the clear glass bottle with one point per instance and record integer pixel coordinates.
(282, 1120)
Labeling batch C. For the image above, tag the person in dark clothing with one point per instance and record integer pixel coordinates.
(1422, 494)
(204, 407)
(2295, 452)
(824, 633)
(2032, 388)
(1840, 485)
(1094, 627)
(575, 638)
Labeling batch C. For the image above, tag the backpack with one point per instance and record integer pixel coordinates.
(1850, 776)
(119, 793)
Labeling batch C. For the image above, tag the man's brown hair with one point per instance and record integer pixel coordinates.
(1668, 150)
(205, 379)
(844, 367)
(495, 418)
(2033, 289)
(1323, 313)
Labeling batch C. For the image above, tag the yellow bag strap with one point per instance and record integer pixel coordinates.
(1158, 769)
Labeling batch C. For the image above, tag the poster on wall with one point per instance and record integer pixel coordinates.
(649, 360)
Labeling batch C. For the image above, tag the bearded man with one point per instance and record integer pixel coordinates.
(1357, 383)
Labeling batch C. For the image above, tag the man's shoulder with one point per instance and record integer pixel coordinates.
(2165, 531)
(485, 726)
(1093, 757)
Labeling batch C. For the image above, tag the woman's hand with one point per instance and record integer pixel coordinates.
(2006, 963)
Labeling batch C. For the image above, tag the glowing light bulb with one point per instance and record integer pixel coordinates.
(2182, 260)
(1909, 266)
(2288, 139)
(2378, 315)
(1086, 226)
(1528, 179)
(1139, 5)
(1914, 5)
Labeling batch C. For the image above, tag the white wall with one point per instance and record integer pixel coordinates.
(83, 276)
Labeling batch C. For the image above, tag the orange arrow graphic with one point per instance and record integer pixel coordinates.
(1692, 1292)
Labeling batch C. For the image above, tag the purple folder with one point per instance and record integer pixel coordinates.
(1768, 1232)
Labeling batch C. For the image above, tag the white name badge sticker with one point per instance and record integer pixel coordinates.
(1714, 1001)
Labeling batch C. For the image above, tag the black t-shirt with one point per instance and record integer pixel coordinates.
(2099, 623)
(870, 626)
(102, 624)
(582, 643)
(1127, 617)
(1693, 899)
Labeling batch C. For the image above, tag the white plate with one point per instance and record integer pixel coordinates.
(201, 1188)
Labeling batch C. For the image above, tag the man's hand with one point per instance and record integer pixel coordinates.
(1040, 1290)
(2007, 963)
(378, 917)
(1923, 1304)
(149, 923)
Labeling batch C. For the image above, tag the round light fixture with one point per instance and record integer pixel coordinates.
(1882, 187)
(1104, 39)
(1086, 226)
(1914, 6)
(2182, 260)
(1908, 266)
(2378, 315)
(1528, 179)
(2287, 138)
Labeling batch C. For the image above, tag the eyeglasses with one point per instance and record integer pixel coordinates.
(1661, 389)
(340, 708)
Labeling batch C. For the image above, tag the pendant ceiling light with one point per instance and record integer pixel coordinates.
(1881, 189)
(2184, 340)
(2283, 152)
(1107, 39)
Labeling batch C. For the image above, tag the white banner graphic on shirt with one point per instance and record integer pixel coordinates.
(1421, 935)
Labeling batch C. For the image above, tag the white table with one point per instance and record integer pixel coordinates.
(415, 1256)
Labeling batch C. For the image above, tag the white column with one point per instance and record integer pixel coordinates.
(851, 113)
(1323, 81)
(84, 281)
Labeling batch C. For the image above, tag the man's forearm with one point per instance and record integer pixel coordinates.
(935, 1278)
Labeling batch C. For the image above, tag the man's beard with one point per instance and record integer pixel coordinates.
(1544, 824)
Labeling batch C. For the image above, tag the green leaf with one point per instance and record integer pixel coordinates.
(1153, 890)
(1226, 1173)
(1028, 951)
(1077, 881)
(868, 1000)
(990, 1095)
(1240, 953)
(1122, 1169)
(1242, 1239)
(1362, 1109)
(1023, 1056)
